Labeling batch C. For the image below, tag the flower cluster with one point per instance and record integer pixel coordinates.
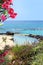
(2, 56)
(6, 10)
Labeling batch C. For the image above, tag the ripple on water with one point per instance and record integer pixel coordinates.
(22, 40)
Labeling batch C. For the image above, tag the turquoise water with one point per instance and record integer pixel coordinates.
(23, 27)
(23, 40)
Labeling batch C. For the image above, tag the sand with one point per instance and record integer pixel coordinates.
(6, 40)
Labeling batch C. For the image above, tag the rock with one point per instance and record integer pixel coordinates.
(9, 33)
(36, 36)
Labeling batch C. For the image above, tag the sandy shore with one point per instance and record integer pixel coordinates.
(19, 39)
(6, 40)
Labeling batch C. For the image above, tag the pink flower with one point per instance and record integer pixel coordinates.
(0, 55)
(13, 15)
(10, 1)
(5, 5)
(5, 53)
(1, 60)
(3, 17)
(10, 11)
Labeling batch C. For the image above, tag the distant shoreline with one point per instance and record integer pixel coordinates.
(29, 35)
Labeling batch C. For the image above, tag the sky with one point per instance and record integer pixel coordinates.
(28, 9)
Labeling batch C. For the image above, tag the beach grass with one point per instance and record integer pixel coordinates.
(26, 54)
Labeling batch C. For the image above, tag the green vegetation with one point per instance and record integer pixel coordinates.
(26, 55)
(38, 57)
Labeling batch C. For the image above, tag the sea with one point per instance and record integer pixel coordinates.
(23, 27)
